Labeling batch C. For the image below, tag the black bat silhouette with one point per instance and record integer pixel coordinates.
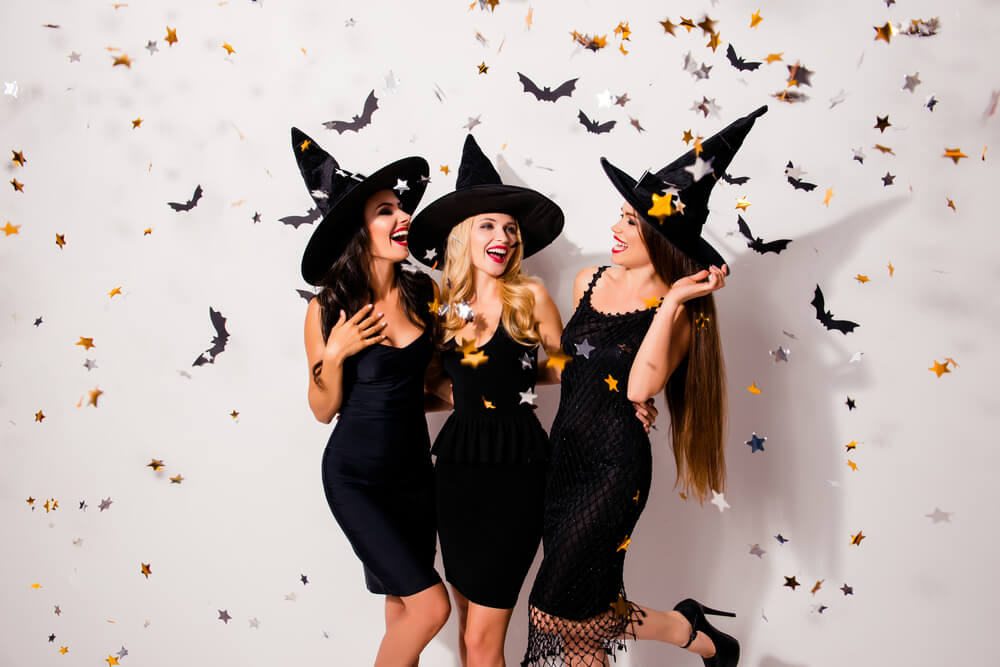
(739, 63)
(757, 243)
(306, 294)
(218, 341)
(734, 180)
(826, 317)
(797, 183)
(358, 122)
(312, 215)
(189, 204)
(546, 94)
(594, 126)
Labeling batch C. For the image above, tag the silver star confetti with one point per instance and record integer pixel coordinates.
(224, 616)
(912, 81)
(719, 500)
(781, 354)
(938, 516)
(528, 396)
(473, 122)
(755, 550)
(584, 349)
(74, 57)
(151, 47)
(401, 186)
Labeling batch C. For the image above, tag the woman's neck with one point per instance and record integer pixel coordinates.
(640, 278)
(486, 288)
(382, 278)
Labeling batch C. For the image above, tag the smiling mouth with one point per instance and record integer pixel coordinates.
(400, 235)
(619, 246)
(497, 253)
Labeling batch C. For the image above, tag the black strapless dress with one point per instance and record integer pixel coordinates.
(599, 478)
(490, 472)
(377, 471)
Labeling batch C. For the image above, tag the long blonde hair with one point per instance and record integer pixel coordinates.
(516, 315)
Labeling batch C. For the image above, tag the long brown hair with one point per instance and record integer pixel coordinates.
(696, 391)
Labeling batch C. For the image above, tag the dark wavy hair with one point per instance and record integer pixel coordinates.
(696, 391)
(347, 286)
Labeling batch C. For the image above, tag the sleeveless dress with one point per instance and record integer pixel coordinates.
(377, 472)
(599, 476)
(490, 472)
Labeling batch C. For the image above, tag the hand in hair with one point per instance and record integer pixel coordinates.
(350, 336)
(698, 284)
(646, 413)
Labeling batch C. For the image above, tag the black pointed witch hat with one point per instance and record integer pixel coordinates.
(478, 189)
(340, 196)
(681, 223)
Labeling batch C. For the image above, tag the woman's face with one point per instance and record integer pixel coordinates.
(387, 225)
(629, 250)
(492, 240)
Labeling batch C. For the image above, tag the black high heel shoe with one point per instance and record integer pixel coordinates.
(727, 649)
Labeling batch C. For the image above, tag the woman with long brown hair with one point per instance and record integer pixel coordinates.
(369, 340)
(647, 324)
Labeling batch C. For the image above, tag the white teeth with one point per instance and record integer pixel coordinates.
(497, 252)
(400, 235)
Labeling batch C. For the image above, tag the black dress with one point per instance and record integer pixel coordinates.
(599, 476)
(377, 471)
(490, 472)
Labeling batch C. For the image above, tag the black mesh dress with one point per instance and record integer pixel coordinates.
(599, 474)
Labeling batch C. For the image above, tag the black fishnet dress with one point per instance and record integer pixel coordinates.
(599, 476)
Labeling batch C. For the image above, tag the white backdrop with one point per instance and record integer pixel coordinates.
(249, 518)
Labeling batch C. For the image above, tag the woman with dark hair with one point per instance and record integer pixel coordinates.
(368, 339)
(648, 324)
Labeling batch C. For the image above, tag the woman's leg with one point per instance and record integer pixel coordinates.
(672, 628)
(423, 615)
(394, 609)
(485, 631)
(462, 608)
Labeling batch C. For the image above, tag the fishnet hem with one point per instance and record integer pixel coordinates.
(555, 641)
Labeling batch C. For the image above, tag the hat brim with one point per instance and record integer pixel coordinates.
(695, 247)
(539, 219)
(344, 218)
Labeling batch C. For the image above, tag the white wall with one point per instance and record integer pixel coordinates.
(250, 516)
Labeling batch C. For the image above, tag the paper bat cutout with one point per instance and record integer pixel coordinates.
(826, 317)
(358, 122)
(757, 243)
(547, 94)
(797, 183)
(189, 204)
(740, 63)
(312, 215)
(594, 126)
(306, 294)
(218, 341)
(735, 180)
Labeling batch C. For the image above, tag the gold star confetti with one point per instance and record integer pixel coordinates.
(18, 158)
(955, 154)
(624, 545)
(433, 306)
(94, 394)
(623, 30)
(668, 27)
(828, 197)
(743, 203)
(39, 416)
(557, 359)
(18, 185)
(852, 465)
(856, 539)
(488, 404)
(662, 206)
(862, 278)
(445, 169)
(229, 49)
(884, 149)
(86, 343)
(146, 571)
(36, 586)
(707, 26)
(115, 291)
(155, 464)
(527, 19)
(30, 501)
(147, 231)
(64, 649)
(176, 479)
(653, 302)
(892, 269)
(697, 146)
(951, 204)
(687, 23)
(171, 37)
(620, 607)
(136, 123)
(234, 414)
(51, 505)
(753, 388)
(817, 586)
(483, 67)
(111, 660)
(883, 32)
(60, 240)
(774, 57)
(474, 359)
(755, 19)
(851, 445)
(713, 41)
(687, 137)
(9, 229)
(949, 360)
(702, 320)
(636, 497)
(621, 47)
(611, 382)
(940, 369)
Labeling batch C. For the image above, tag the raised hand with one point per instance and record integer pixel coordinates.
(698, 284)
(646, 413)
(350, 336)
